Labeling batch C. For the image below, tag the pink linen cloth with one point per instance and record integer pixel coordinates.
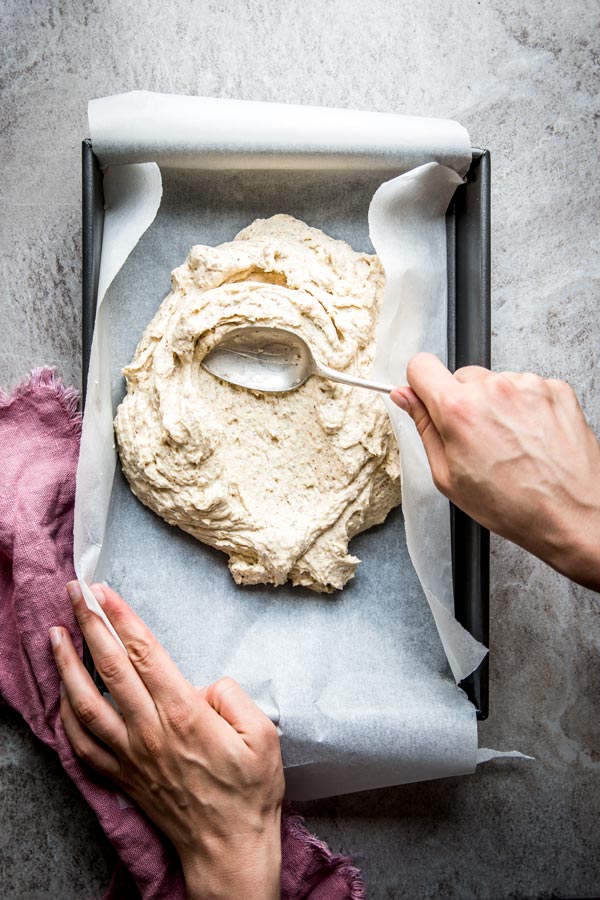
(39, 443)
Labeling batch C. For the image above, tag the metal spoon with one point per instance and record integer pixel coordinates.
(272, 360)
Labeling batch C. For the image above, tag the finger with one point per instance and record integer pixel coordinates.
(117, 672)
(566, 403)
(526, 380)
(91, 708)
(527, 386)
(149, 658)
(234, 705)
(563, 395)
(432, 441)
(469, 374)
(432, 382)
(84, 746)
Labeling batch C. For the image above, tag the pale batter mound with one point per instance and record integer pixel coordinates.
(279, 482)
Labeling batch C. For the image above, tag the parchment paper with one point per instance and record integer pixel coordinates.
(358, 683)
(203, 132)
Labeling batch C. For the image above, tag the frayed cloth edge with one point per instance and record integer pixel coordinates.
(332, 861)
(47, 377)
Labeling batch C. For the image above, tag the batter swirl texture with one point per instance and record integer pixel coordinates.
(279, 482)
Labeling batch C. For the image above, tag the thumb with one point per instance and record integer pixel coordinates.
(234, 705)
(406, 399)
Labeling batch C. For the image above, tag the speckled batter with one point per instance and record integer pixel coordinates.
(279, 482)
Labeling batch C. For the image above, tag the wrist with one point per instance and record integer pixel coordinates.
(235, 867)
(577, 552)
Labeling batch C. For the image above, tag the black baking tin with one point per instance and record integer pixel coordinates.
(468, 237)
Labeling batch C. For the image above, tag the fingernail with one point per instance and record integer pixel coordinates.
(74, 592)
(55, 637)
(400, 400)
(98, 593)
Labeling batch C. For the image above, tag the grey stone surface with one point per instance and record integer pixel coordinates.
(524, 79)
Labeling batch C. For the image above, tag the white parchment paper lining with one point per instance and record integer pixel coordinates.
(130, 133)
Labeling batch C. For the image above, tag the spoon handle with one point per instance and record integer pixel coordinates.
(334, 375)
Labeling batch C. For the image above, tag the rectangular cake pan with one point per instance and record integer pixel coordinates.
(468, 241)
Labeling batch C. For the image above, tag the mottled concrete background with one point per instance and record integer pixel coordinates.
(524, 79)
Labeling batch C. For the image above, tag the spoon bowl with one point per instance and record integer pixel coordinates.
(272, 360)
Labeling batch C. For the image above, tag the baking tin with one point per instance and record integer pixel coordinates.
(468, 240)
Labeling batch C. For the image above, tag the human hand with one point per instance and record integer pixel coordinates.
(514, 452)
(204, 765)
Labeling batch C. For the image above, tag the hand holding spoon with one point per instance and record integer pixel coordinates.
(273, 360)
